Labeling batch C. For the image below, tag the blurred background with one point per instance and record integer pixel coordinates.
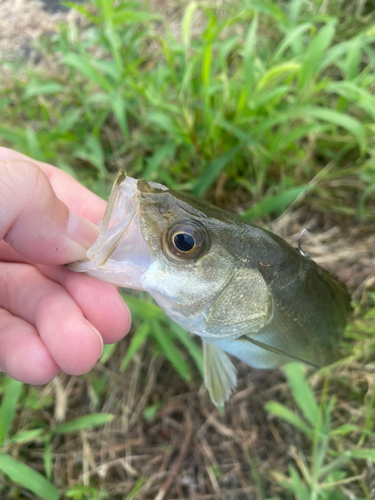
(267, 109)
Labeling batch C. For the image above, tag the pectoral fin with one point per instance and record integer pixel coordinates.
(219, 374)
(275, 350)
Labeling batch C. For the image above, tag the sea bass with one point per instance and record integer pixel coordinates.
(242, 289)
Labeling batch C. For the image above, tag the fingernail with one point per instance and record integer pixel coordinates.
(97, 332)
(81, 231)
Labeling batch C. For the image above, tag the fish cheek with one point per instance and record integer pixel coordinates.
(244, 305)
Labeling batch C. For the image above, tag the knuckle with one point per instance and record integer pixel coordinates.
(19, 178)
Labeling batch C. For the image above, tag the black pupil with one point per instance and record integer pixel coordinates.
(184, 242)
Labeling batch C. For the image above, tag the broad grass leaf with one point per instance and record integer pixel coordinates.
(8, 406)
(335, 465)
(213, 170)
(294, 8)
(276, 203)
(364, 454)
(34, 149)
(334, 55)
(187, 25)
(164, 121)
(143, 309)
(26, 436)
(28, 478)
(106, 9)
(193, 349)
(133, 16)
(48, 459)
(138, 485)
(119, 110)
(43, 88)
(286, 414)
(110, 69)
(249, 54)
(353, 57)
(93, 153)
(82, 423)
(167, 347)
(237, 132)
(166, 151)
(289, 138)
(270, 8)
(314, 53)
(268, 97)
(339, 119)
(344, 429)
(354, 93)
(289, 39)
(81, 64)
(302, 392)
(139, 338)
(299, 488)
(67, 122)
(15, 136)
(108, 350)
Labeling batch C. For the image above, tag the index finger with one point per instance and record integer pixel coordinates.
(79, 199)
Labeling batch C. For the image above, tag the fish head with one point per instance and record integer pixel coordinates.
(174, 247)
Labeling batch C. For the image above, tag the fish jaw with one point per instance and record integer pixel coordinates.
(120, 255)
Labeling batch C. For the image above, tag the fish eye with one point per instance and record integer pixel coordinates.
(185, 240)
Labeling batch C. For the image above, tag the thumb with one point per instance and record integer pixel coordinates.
(35, 222)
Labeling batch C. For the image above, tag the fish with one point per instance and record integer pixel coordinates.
(244, 290)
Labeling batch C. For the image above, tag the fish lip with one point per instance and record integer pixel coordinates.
(120, 254)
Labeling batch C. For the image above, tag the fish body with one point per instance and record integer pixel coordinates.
(242, 289)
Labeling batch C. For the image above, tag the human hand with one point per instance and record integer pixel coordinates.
(50, 317)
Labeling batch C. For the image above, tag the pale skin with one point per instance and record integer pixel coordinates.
(50, 318)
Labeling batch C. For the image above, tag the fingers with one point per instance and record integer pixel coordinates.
(78, 198)
(23, 354)
(100, 302)
(73, 343)
(35, 222)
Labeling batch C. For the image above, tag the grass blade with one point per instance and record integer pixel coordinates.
(187, 25)
(339, 119)
(193, 349)
(28, 478)
(302, 392)
(213, 170)
(86, 422)
(283, 412)
(8, 407)
(365, 454)
(274, 203)
(314, 53)
(136, 343)
(170, 351)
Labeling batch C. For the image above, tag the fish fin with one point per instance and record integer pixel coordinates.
(219, 374)
(276, 350)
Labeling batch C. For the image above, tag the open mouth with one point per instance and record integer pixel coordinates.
(120, 255)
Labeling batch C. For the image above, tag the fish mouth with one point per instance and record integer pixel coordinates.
(120, 255)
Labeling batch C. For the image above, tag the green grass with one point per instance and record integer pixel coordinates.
(266, 96)
(255, 105)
